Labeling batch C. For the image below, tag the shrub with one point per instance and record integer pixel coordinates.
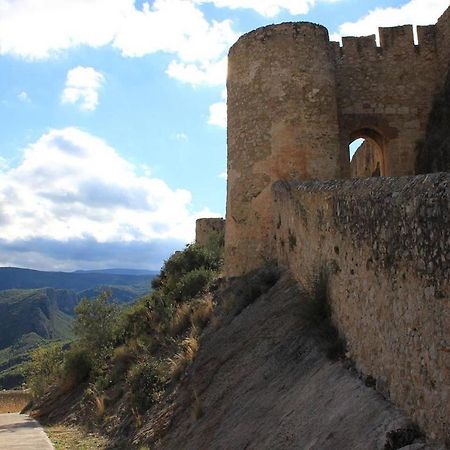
(77, 366)
(181, 319)
(192, 258)
(44, 369)
(192, 284)
(202, 312)
(97, 327)
(145, 383)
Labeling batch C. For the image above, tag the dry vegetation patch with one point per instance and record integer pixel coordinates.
(14, 401)
(66, 437)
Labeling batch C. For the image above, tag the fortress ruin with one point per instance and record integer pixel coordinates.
(295, 103)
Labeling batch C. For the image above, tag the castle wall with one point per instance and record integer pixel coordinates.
(282, 124)
(207, 227)
(385, 244)
(443, 42)
(387, 90)
(296, 101)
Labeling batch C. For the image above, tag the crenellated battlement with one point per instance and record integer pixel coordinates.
(394, 42)
(397, 38)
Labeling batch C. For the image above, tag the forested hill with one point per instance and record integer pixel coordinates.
(15, 278)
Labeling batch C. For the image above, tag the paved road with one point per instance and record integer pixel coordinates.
(21, 432)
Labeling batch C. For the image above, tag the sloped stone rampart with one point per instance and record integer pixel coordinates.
(385, 245)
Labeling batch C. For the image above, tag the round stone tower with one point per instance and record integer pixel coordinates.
(282, 124)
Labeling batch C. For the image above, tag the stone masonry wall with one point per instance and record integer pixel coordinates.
(385, 243)
(282, 124)
(387, 91)
(204, 228)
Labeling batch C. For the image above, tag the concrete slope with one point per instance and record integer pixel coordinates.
(261, 381)
(21, 432)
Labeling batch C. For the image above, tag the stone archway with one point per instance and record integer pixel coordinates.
(368, 160)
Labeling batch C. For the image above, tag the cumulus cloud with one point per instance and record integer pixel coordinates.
(72, 195)
(218, 112)
(82, 86)
(40, 29)
(415, 12)
(207, 73)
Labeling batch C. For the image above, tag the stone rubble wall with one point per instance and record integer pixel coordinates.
(385, 245)
(206, 227)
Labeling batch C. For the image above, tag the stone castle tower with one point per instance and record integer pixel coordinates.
(295, 103)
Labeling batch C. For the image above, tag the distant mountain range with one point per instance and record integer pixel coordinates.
(16, 278)
(37, 308)
(120, 271)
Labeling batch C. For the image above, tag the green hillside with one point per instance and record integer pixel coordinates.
(29, 318)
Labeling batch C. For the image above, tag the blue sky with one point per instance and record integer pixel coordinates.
(113, 118)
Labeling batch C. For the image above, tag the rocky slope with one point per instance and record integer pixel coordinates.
(262, 380)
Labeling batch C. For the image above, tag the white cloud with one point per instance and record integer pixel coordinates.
(218, 112)
(268, 8)
(209, 73)
(36, 29)
(223, 175)
(23, 97)
(415, 12)
(82, 86)
(71, 185)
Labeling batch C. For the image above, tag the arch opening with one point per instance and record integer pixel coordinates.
(366, 155)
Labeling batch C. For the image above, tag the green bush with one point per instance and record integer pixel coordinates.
(192, 284)
(145, 384)
(77, 365)
(44, 369)
(194, 257)
(97, 326)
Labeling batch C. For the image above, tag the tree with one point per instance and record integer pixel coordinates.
(97, 326)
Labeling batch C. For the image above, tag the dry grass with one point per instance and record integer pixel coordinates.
(181, 320)
(183, 359)
(202, 312)
(74, 438)
(13, 401)
(99, 402)
(196, 314)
